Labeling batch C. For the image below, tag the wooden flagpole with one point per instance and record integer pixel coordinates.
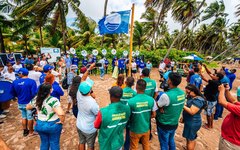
(131, 41)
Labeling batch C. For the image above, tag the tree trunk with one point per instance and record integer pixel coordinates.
(41, 37)
(184, 27)
(231, 48)
(2, 42)
(104, 14)
(64, 26)
(160, 18)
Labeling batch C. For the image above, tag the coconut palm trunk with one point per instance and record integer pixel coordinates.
(64, 26)
(2, 42)
(104, 14)
(183, 28)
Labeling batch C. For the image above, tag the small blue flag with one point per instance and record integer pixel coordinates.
(115, 23)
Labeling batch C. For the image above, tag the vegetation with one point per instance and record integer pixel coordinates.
(27, 25)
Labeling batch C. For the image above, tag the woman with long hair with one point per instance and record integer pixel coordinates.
(115, 70)
(120, 81)
(73, 93)
(50, 118)
(192, 114)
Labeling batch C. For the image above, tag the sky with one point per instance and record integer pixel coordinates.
(94, 9)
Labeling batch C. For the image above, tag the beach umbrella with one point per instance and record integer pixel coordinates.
(193, 57)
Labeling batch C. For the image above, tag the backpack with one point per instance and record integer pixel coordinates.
(65, 84)
(211, 90)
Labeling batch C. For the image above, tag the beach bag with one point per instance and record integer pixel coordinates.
(65, 84)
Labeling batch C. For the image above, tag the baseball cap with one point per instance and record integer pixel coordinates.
(23, 71)
(73, 67)
(47, 67)
(86, 86)
(116, 92)
(83, 70)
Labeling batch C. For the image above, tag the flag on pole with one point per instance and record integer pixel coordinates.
(115, 23)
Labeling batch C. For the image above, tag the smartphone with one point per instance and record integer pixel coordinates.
(98, 64)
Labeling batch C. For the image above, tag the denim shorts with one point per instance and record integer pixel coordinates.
(26, 114)
(210, 107)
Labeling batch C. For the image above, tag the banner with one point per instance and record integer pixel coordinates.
(115, 23)
(54, 52)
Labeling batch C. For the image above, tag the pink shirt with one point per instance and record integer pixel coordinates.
(231, 124)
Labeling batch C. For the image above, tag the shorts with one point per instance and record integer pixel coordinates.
(26, 114)
(87, 138)
(69, 98)
(134, 71)
(210, 107)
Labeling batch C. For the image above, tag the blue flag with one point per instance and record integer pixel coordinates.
(115, 23)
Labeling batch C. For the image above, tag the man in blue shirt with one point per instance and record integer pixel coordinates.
(121, 62)
(29, 60)
(46, 70)
(25, 90)
(231, 75)
(196, 79)
(113, 62)
(84, 62)
(106, 65)
(142, 65)
(23, 61)
(11, 59)
(138, 62)
(75, 60)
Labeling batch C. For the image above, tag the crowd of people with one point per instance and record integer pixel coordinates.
(38, 85)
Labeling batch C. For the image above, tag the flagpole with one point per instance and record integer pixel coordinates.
(131, 41)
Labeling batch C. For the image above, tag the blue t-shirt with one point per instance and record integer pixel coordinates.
(138, 61)
(165, 75)
(142, 65)
(121, 63)
(149, 66)
(199, 102)
(29, 61)
(196, 80)
(22, 62)
(231, 77)
(94, 59)
(225, 80)
(42, 78)
(24, 89)
(106, 62)
(57, 90)
(113, 61)
(68, 62)
(12, 61)
(84, 62)
(75, 61)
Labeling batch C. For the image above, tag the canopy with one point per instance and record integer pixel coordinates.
(193, 57)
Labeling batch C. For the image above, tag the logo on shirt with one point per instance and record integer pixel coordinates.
(127, 94)
(142, 104)
(21, 83)
(181, 97)
(118, 116)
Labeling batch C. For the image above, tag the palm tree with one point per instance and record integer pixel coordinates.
(184, 15)
(216, 9)
(138, 34)
(59, 9)
(165, 5)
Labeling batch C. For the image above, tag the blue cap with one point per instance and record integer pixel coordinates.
(86, 86)
(47, 67)
(23, 71)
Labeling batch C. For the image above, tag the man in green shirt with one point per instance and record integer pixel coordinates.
(111, 121)
(143, 108)
(172, 103)
(128, 93)
(151, 88)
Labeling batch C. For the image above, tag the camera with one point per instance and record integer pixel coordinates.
(98, 64)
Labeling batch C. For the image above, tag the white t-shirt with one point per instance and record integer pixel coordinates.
(43, 63)
(35, 76)
(47, 113)
(17, 67)
(134, 66)
(87, 112)
(10, 76)
(162, 66)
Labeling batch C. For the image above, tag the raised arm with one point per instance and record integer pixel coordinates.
(85, 75)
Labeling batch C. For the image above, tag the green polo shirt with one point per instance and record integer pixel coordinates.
(151, 86)
(141, 107)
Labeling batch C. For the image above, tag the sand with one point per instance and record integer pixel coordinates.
(11, 131)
